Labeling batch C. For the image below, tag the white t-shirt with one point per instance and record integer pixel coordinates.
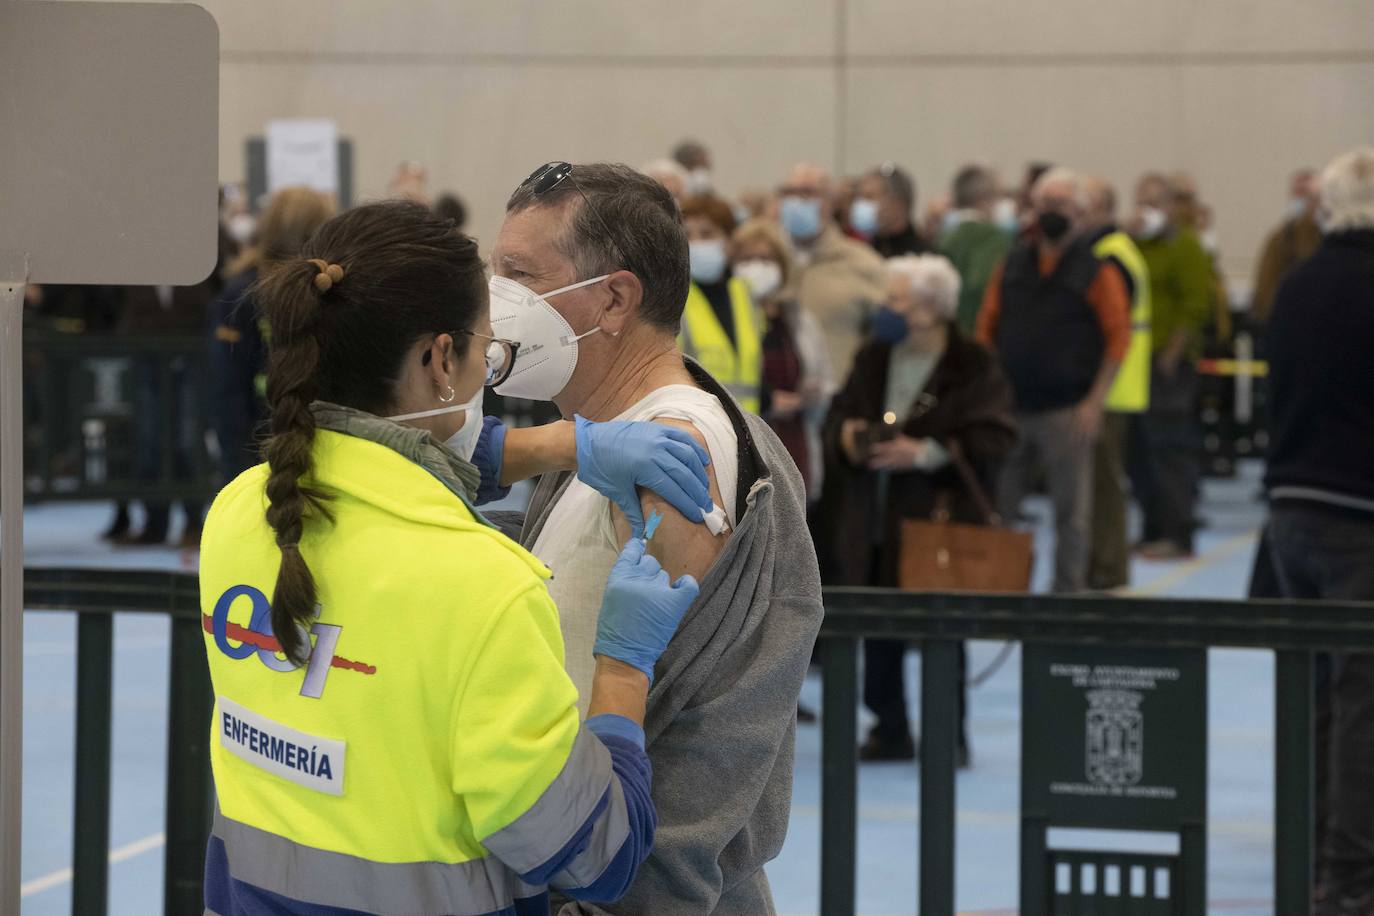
(578, 541)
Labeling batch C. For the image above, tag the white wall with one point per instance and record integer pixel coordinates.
(1237, 93)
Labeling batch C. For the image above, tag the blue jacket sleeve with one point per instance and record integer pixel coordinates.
(491, 448)
(601, 857)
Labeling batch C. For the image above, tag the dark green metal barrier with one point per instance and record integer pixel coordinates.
(96, 595)
(1293, 630)
(81, 416)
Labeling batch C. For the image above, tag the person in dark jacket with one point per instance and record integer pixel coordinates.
(918, 387)
(1320, 482)
(883, 212)
(238, 334)
(1059, 320)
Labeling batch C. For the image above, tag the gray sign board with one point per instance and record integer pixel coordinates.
(109, 141)
(109, 117)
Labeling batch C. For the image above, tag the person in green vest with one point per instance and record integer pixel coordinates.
(720, 327)
(974, 243)
(1109, 562)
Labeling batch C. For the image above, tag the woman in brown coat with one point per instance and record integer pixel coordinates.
(918, 393)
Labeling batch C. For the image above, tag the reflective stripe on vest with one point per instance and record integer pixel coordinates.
(1130, 393)
(738, 367)
(477, 887)
(308, 875)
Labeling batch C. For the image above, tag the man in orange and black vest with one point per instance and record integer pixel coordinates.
(1058, 318)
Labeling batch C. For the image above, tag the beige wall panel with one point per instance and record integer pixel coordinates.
(584, 28)
(480, 130)
(1094, 27)
(1114, 121)
(1245, 129)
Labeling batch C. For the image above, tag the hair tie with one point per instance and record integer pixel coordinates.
(289, 546)
(328, 275)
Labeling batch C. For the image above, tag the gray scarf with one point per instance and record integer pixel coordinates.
(417, 445)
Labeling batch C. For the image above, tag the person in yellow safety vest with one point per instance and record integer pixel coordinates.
(394, 731)
(1109, 563)
(720, 325)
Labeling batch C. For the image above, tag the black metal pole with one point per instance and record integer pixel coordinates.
(1294, 704)
(188, 769)
(939, 735)
(91, 830)
(839, 774)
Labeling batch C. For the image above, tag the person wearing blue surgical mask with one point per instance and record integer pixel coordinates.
(882, 212)
(720, 325)
(837, 279)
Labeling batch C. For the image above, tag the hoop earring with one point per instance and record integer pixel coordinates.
(451, 395)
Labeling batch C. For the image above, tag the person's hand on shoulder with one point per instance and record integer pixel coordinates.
(616, 457)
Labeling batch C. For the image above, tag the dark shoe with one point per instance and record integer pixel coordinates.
(805, 715)
(1165, 551)
(876, 750)
(145, 538)
(119, 526)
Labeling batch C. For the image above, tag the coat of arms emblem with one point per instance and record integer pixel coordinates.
(1115, 738)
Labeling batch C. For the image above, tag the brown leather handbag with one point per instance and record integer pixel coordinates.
(945, 556)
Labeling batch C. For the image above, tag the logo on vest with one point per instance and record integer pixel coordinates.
(258, 638)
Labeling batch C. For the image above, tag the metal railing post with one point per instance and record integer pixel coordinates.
(91, 828)
(1294, 705)
(839, 773)
(188, 769)
(939, 735)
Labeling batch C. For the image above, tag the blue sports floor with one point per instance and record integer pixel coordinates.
(1240, 754)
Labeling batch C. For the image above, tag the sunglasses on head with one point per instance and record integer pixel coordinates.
(549, 176)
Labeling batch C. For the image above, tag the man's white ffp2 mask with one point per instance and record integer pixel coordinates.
(548, 347)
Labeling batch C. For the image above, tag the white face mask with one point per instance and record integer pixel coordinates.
(699, 181)
(240, 227)
(548, 347)
(1004, 215)
(762, 277)
(1152, 222)
(464, 442)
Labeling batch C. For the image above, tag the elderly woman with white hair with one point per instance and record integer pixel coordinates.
(1320, 482)
(919, 388)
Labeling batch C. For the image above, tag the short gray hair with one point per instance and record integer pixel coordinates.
(930, 276)
(1060, 175)
(648, 239)
(1347, 191)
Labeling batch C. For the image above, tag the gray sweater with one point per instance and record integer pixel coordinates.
(721, 723)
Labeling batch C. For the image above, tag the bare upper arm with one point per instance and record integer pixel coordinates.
(680, 545)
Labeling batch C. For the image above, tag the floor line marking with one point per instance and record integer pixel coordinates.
(1185, 571)
(117, 854)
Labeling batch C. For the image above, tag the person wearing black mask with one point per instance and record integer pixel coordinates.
(1059, 320)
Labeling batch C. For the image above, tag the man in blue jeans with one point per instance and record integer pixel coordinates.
(1320, 482)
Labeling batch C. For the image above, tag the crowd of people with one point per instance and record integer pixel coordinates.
(918, 361)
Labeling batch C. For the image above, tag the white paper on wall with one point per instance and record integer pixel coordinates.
(303, 151)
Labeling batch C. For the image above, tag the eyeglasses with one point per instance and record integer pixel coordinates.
(549, 176)
(500, 356)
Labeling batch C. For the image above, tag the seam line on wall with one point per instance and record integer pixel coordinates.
(843, 61)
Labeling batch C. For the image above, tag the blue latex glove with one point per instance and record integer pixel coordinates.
(641, 610)
(488, 456)
(615, 457)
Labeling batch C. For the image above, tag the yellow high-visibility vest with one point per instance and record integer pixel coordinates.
(433, 715)
(1130, 393)
(737, 366)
